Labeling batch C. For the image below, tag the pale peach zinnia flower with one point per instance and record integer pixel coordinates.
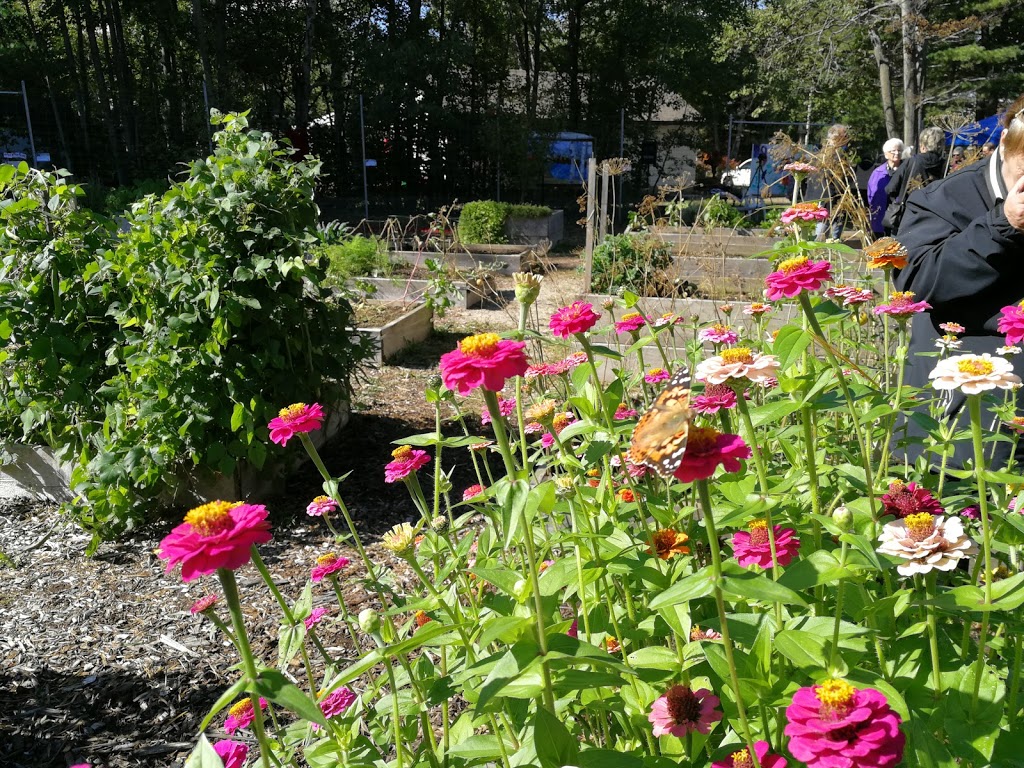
(736, 363)
(927, 542)
(974, 374)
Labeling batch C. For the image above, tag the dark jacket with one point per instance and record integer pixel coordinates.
(917, 172)
(965, 260)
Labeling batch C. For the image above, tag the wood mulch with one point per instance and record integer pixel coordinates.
(100, 658)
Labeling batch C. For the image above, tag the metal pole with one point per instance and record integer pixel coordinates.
(28, 119)
(209, 128)
(603, 223)
(591, 209)
(622, 153)
(362, 139)
(728, 148)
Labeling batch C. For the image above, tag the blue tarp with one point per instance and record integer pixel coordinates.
(569, 153)
(977, 133)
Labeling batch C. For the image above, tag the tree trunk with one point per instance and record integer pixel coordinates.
(104, 94)
(204, 52)
(574, 33)
(122, 73)
(41, 51)
(885, 83)
(302, 89)
(912, 71)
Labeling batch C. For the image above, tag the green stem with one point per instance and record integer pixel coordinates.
(974, 407)
(838, 608)
(933, 635)
(806, 419)
(498, 425)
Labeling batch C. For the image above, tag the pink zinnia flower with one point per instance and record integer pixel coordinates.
(741, 758)
(623, 411)
(203, 604)
(578, 317)
(902, 305)
(473, 491)
(714, 398)
(404, 461)
(547, 440)
(736, 366)
(834, 724)
(231, 753)
(706, 448)
(667, 318)
(656, 375)
(638, 471)
(327, 565)
(757, 308)
(697, 634)
(849, 296)
(336, 702)
(629, 323)
(293, 420)
(571, 362)
(241, 714)
(795, 275)
(573, 630)
(954, 328)
(718, 334)
(1012, 323)
(682, 710)
(804, 212)
(799, 167)
(753, 548)
(320, 506)
(216, 535)
(970, 513)
(905, 499)
(484, 360)
(315, 617)
(506, 406)
(539, 369)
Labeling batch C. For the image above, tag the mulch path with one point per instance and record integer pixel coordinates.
(100, 659)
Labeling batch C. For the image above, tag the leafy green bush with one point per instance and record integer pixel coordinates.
(631, 262)
(219, 319)
(720, 213)
(115, 201)
(358, 256)
(483, 221)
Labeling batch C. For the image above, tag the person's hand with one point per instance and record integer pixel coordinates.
(1013, 206)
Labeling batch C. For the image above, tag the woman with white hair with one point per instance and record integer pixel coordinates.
(877, 198)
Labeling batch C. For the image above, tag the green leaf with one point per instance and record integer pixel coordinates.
(654, 657)
(237, 417)
(696, 585)
(556, 747)
(203, 756)
(789, 344)
(478, 748)
(275, 687)
(805, 650)
(512, 664)
(756, 586)
(820, 567)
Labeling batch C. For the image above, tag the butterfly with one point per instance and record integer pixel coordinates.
(659, 439)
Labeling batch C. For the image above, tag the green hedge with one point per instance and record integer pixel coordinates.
(483, 221)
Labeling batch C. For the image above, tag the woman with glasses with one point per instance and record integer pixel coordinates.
(877, 197)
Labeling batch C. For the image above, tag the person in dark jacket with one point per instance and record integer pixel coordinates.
(965, 241)
(920, 170)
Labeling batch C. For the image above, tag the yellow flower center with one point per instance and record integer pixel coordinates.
(630, 316)
(835, 697)
(542, 411)
(701, 440)
(211, 518)
(975, 366)
(758, 531)
(321, 499)
(757, 306)
(741, 759)
(719, 328)
(737, 355)
(240, 708)
(1017, 421)
(480, 345)
(901, 297)
(327, 559)
(920, 525)
(791, 265)
(292, 411)
(560, 422)
(401, 452)
(655, 371)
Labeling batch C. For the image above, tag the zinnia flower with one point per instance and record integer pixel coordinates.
(948, 341)
(571, 362)
(1009, 350)
(203, 604)
(668, 543)
(400, 539)
(623, 412)
(757, 308)
(321, 505)
(336, 702)
(629, 323)
(578, 317)
(573, 630)
(886, 253)
(706, 448)
(800, 168)
(795, 275)
(611, 644)
(954, 328)
(626, 495)
(656, 375)
(315, 617)
(909, 499)
(682, 710)
(241, 714)
(231, 753)
(718, 334)
(215, 535)
(974, 374)
(753, 548)
(902, 305)
(294, 419)
(473, 491)
(506, 407)
(697, 634)
(404, 461)
(804, 212)
(668, 318)
(834, 724)
(327, 565)
(848, 296)
(1016, 424)
(736, 365)
(484, 360)
(741, 759)
(927, 542)
(1012, 323)
(542, 412)
(970, 513)
(714, 398)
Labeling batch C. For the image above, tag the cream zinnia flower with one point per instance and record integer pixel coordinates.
(926, 542)
(974, 374)
(400, 539)
(737, 363)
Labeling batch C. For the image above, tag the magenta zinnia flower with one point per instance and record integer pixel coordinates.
(849, 296)
(753, 548)
(629, 323)
(484, 360)
(315, 617)
(231, 753)
(327, 565)
(834, 724)
(320, 506)
(741, 759)
(706, 448)
(623, 411)
(1012, 323)
(714, 398)
(682, 710)
(718, 334)
(294, 419)
(216, 535)
(203, 604)
(506, 406)
(573, 630)
(473, 491)
(795, 275)
(804, 212)
(757, 308)
(241, 714)
(336, 702)
(578, 317)
(656, 375)
(905, 499)
(404, 461)
(902, 305)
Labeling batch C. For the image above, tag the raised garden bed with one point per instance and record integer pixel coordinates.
(503, 259)
(533, 231)
(409, 290)
(391, 327)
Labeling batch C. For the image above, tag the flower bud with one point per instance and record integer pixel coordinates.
(369, 621)
(565, 487)
(842, 517)
(439, 523)
(527, 286)
(521, 590)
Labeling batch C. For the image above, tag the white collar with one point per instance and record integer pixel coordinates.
(994, 177)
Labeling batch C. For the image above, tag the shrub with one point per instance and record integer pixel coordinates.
(358, 256)
(719, 213)
(483, 221)
(629, 262)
